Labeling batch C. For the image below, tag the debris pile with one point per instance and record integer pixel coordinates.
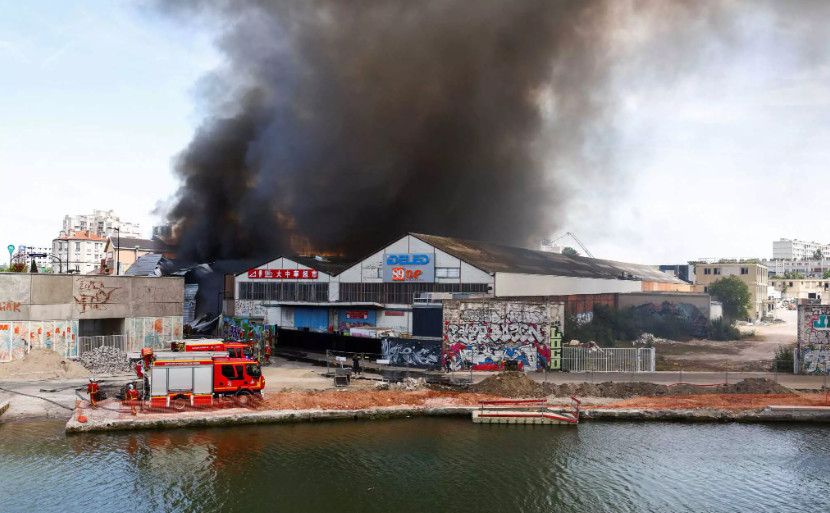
(41, 364)
(518, 385)
(510, 384)
(105, 360)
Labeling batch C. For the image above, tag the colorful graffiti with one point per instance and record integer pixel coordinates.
(18, 338)
(235, 328)
(93, 295)
(356, 318)
(155, 332)
(484, 334)
(814, 338)
(412, 352)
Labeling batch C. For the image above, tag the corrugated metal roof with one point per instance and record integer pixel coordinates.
(145, 265)
(494, 258)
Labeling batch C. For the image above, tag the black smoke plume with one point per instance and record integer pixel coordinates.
(338, 125)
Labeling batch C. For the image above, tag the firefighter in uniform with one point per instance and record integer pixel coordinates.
(267, 353)
(131, 396)
(93, 389)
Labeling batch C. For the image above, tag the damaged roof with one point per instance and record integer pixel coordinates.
(495, 258)
(332, 267)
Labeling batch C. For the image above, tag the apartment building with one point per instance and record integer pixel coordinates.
(794, 249)
(25, 251)
(753, 274)
(78, 252)
(102, 223)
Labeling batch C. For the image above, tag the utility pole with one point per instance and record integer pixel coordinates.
(118, 252)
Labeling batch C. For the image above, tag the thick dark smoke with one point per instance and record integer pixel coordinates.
(339, 125)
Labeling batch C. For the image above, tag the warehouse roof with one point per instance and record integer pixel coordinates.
(495, 258)
(332, 267)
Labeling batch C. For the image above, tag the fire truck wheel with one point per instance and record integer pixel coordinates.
(243, 397)
(179, 403)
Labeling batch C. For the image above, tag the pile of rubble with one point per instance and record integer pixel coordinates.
(408, 384)
(105, 360)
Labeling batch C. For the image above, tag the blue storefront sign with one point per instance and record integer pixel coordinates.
(408, 268)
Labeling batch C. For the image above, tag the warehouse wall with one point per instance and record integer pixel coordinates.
(517, 285)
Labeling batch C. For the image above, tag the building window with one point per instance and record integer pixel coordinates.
(447, 272)
(287, 291)
(401, 293)
(707, 271)
(790, 285)
(744, 270)
(717, 270)
(705, 289)
(77, 246)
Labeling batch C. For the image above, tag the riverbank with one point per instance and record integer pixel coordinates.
(101, 419)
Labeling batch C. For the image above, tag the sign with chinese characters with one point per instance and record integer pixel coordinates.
(408, 268)
(282, 274)
(357, 314)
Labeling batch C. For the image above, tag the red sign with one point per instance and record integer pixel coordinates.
(393, 313)
(404, 274)
(357, 314)
(282, 274)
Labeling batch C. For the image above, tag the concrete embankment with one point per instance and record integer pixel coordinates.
(240, 416)
(97, 423)
(770, 414)
(4, 405)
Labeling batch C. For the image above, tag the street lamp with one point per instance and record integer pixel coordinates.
(59, 262)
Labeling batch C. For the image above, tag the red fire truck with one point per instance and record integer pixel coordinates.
(195, 378)
(234, 349)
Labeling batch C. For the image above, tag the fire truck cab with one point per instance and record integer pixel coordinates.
(195, 378)
(234, 349)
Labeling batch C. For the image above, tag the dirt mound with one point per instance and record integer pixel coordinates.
(510, 384)
(41, 364)
(517, 384)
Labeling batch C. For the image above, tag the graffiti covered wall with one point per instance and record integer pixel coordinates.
(18, 338)
(412, 352)
(813, 353)
(154, 332)
(238, 328)
(484, 333)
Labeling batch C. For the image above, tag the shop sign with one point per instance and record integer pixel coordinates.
(393, 313)
(282, 274)
(408, 267)
(357, 314)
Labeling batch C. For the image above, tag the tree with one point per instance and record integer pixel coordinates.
(825, 275)
(817, 255)
(569, 251)
(734, 295)
(33, 269)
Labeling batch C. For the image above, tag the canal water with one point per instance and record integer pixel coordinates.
(418, 465)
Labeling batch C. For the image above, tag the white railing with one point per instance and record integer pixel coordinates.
(584, 359)
(91, 343)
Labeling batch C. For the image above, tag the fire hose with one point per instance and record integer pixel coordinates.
(38, 397)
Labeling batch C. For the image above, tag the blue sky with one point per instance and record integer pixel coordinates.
(97, 97)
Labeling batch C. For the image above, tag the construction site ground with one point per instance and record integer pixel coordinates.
(746, 355)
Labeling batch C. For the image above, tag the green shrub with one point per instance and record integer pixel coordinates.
(783, 359)
(721, 329)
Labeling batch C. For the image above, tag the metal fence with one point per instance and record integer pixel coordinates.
(583, 359)
(91, 343)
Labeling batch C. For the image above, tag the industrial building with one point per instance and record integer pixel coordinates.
(385, 289)
(72, 313)
(754, 275)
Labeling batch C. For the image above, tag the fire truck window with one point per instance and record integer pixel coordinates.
(233, 352)
(253, 371)
(239, 372)
(232, 371)
(247, 352)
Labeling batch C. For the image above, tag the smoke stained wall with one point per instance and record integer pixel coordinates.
(340, 125)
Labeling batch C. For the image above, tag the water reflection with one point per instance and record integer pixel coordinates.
(417, 465)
